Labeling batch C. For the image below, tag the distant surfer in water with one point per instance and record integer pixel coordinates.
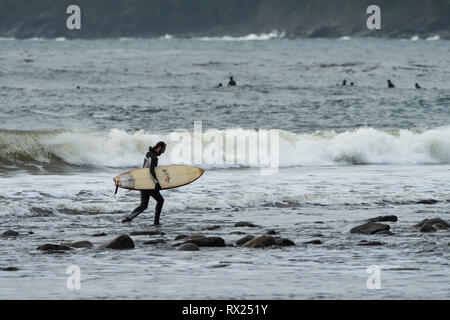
(231, 82)
(390, 84)
(150, 161)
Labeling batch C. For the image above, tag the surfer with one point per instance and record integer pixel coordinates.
(390, 84)
(418, 86)
(150, 161)
(231, 82)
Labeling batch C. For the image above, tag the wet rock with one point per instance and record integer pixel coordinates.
(79, 244)
(283, 242)
(260, 242)
(157, 241)
(186, 237)
(188, 247)
(370, 228)
(246, 224)
(384, 218)
(211, 228)
(53, 247)
(101, 234)
(314, 242)
(370, 243)
(237, 232)
(9, 269)
(427, 201)
(384, 232)
(10, 233)
(122, 242)
(55, 252)
(439, 226)
(432, 225)
(243, 240)
(271, 232)
(146, 233)
(208, 242)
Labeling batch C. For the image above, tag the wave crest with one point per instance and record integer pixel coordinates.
(118, 148)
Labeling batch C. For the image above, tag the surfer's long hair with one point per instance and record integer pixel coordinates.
(159, 144)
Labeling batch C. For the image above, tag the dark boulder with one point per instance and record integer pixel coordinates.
(10, 233)
(122, 242)
(9, 269)
(243, 240)
(188, 247)
(370, 228)
(79, 244)
(260, 242)
(101, 234)
(384, 232)
(53, 247)
(157, 241)
(211, 228)
(370, 243)
(246, 224)
(284, 242)
(147, 233)
(432, 225)
(271, 232)
(314, 242)
(384, 218)
(186, 237)
(427, 201)
(208, 242)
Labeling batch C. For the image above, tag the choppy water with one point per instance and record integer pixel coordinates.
(346, 154)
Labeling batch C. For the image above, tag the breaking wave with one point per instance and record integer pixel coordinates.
(118, 148)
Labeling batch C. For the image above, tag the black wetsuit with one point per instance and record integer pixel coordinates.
(151, 161)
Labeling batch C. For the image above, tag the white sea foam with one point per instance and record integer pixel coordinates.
(434, 38)
(250, 37)
(118, 148)
(166, 37)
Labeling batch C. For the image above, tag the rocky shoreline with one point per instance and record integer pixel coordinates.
(252, 237)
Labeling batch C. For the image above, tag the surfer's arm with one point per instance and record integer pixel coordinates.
(153, 164)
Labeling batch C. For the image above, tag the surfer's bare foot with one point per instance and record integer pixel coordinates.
(126, 220)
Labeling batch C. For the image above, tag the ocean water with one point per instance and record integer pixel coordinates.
(339, 156)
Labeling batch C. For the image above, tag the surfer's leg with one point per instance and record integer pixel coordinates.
(159, 204)
(145, 197)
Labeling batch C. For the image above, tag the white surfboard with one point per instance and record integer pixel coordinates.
(168, 176)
